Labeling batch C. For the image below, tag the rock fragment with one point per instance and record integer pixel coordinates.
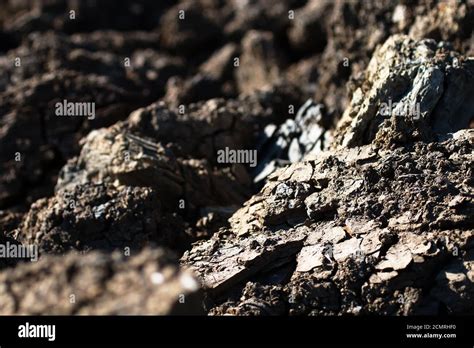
(416, 90)
(236, 262)
(305, 135)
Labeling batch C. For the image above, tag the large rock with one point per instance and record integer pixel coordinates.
(413, 90)
(355, 231)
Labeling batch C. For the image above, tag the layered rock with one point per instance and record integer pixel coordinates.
(356, 231)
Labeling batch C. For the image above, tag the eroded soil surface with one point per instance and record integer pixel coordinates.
(360, 114)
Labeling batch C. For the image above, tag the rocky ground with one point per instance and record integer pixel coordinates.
(360, 197)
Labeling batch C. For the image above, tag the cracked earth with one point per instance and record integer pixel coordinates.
(360, 114)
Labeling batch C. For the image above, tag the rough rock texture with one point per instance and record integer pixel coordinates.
(321, 47)
(361, 200)
(148, 283)
(126, 190)
(417, 90)
(95, 216)
(344, 233)
(76, 69)
(205, 127)
(292, 140)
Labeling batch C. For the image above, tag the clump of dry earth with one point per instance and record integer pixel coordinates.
(358, 205)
